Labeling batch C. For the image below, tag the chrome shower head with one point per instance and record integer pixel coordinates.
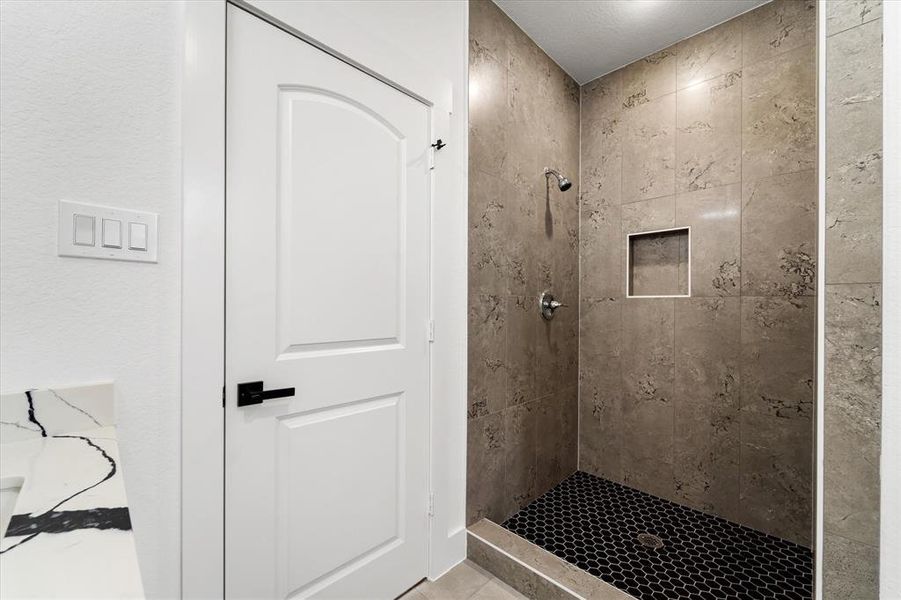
(562, 182)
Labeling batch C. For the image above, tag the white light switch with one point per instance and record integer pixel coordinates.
(137, 236)
(83, 230)
(92, 231)
(112, 233)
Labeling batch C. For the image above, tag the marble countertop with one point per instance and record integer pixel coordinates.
(70, 532)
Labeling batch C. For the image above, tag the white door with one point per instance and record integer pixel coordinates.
(327, 293)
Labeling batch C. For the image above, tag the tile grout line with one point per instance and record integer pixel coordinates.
(741, 211)
(623, 277)
(673, 380)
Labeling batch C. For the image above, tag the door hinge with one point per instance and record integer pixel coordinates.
(432, 331)
(432, 150)
(223, 396)
(431, 504)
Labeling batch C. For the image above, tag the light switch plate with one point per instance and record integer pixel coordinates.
(68, 247)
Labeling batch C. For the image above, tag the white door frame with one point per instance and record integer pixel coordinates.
(203, 283)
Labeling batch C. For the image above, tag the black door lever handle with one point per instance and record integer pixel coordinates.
(252, 393)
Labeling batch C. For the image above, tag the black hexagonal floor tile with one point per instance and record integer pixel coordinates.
(653, 548)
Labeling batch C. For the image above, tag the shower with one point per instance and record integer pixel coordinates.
(687, 362)
(562, 182)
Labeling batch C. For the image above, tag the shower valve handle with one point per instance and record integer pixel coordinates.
(548, 305)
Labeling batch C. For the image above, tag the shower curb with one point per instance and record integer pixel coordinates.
(531, 570)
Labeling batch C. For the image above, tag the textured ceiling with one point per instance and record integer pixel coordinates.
(590, 38)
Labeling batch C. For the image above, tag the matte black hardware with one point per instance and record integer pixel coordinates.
(252, 393)
(439, 144)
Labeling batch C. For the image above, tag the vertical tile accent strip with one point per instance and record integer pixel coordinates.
(853, 300)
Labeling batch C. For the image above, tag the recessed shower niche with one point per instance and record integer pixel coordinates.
(658, 263)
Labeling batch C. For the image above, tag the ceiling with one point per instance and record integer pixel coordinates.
(590, 38)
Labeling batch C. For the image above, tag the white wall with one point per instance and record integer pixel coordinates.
(890, 523)
(89, 111)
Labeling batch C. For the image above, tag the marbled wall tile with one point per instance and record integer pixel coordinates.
(600, 419)
(854, 228)
(601, 194)
(778, 235)
(647, 409)
(706, 451)
(602, 95)
(777, 362)
(566, 265)
(489, 119)
(710, 53)
(714, 216)
(649, 151)
(487, 355)
(557, 351)
(647, 448)
(529, 61)
(600, 393)
(777, 476)
(854, 155)
(520, 218)
(557, 244)
(521, 347)
(649, 78)
(520, 462)
(490, 30)
(708, 352)
(649, 215)
(853, 411)
(845, 14)
(485, 455)
(706, 402)
(602, 158)
(779, 114)
(601, 254)
(708, 133)
(850, 569)
(648, 348)
(528, 136)
(556, 437)
(777, 27)
(488, 266)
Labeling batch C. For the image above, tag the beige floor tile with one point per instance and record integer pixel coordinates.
(460, 583)
(497, 590)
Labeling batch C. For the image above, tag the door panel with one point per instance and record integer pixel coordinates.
(375, 466)
(357, 201)
(327, 251)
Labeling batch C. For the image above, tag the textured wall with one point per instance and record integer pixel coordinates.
(90, 112)
(708, 400)
(523, 238)
(853, 298)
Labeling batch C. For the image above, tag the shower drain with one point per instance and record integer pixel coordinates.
(649, 540)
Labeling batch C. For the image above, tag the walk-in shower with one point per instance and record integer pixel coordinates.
(657, 437)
